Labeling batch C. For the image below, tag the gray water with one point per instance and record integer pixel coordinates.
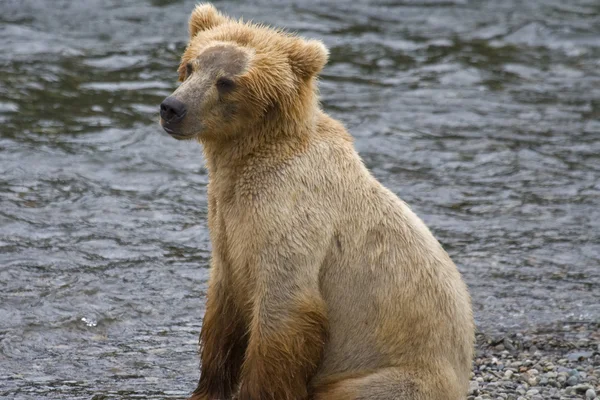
(483, 115)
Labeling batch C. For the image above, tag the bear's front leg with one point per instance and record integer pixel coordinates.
(287, 335)
(223, 341)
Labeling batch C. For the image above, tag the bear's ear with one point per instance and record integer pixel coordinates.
(205, 16)
(308, 57)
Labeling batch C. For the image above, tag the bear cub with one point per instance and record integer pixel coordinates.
(324, 284)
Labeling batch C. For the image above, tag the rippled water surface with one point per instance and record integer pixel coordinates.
(483, 115)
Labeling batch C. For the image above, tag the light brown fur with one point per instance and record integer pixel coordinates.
(324, 284)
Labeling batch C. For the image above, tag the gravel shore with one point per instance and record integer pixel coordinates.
(559, 362)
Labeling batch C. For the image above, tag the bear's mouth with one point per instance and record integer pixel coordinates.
(173, 133)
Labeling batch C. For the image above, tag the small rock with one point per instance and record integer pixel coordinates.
(569, 391)
(573, 380)
(581, 388)
(590, 394)
(508, 345)
(473, 387)
(580, 355)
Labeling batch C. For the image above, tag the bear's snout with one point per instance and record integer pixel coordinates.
(172, 112)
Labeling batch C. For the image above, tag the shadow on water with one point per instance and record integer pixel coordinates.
(483, 115)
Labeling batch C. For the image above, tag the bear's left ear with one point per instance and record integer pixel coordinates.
(205, 16)
(308, 57)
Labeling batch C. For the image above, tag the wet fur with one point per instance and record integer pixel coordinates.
(323, 284)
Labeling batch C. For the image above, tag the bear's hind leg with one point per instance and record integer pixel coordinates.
(386, 384)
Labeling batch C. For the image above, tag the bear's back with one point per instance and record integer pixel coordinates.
(394, 296)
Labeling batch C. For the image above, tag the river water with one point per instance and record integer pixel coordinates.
(483, 115)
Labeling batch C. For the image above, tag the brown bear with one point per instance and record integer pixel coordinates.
(324, 285)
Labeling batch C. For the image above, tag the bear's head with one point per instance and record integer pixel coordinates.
(236, 75)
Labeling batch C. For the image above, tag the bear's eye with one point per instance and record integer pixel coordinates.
(225, 84)
(189, 69)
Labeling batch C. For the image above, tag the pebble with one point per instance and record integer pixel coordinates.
(573, 380)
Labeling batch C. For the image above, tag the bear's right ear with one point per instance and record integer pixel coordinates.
(205, 16)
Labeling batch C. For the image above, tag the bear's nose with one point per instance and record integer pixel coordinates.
(172, 110)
